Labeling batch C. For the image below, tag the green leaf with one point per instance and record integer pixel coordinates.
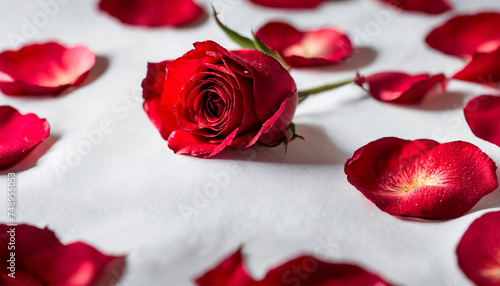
(261, 46)
(243, 41)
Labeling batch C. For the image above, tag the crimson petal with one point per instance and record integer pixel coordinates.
(306, 49)
(483, 68)
(422, 178)
(478, 251)
(397, 87)
(432, 7)
(153, 13)
(42, 259)
(19, 135)
(464, 35)
(483, 116)
(303, 270)
(296, 4)
(44, 68)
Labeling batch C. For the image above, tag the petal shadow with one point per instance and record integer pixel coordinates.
(32, 158)
(316, 149)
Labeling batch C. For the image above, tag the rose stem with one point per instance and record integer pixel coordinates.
(305, 93)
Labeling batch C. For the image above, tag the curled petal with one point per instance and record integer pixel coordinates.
(483, 116)
(464, 35)
(19, 135)
(483, 68)
(153, 13)
(432, 7)
(305, 49)
(185, 143)
(297, 4)
(422, 178)
(45, 261)
(303, 270)
(478, 251)
(397, 87)
(44, 68)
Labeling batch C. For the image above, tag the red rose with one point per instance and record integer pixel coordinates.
(40, 259)
(211, 98)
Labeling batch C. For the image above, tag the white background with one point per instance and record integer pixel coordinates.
(127, 195)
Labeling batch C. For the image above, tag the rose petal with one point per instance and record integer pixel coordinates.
(272, 83)
(464, 35)
(397, 87)
(483, 116)
(478, 251)
(44, 68)
(153, 13)
(305, 49)
(303, 270)
(184, 143)
(422, 178)
(46, 261)
(432, 7)
(304, 4)
(19, 135)
(483, 68)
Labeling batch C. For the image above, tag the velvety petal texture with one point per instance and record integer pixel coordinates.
(153, 13)
(432, 7)
(398, 87)
(210, 99)
(40, 259)
(483, 68)
(297, 4)
(483, 116)
(306, 48)
(478, 252)
(422, 178)
(19, 135)
(44, 69)
(464, 35)
(303, 270)
(476, 38)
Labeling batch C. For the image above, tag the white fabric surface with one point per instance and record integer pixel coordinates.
(128, 194)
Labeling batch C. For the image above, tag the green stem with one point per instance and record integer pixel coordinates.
(304, 94)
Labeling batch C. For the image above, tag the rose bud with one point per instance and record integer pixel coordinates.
(40, 259)
(306, 49)
(211, 98)
(432, 7)
(232, 272)
(20, 135)
(296, 4)
(422, 178)
(483, 116)
(153, 13)
(478, 251)
(46, 69)
(397, 87)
